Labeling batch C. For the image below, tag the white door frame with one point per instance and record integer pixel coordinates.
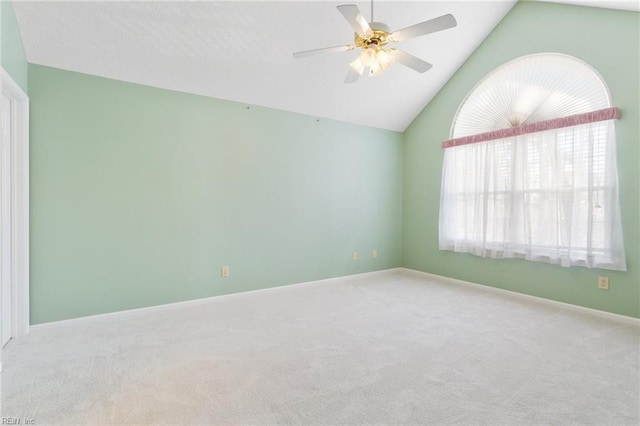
(19, 204)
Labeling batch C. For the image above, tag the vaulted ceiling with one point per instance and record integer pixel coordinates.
(241, 51)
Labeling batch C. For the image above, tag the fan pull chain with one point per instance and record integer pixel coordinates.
(372, 11)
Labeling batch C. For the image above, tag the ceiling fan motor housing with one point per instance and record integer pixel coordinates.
(379, 38)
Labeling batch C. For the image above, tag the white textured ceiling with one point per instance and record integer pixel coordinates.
(241, 51)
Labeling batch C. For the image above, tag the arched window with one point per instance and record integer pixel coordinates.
(530, 171)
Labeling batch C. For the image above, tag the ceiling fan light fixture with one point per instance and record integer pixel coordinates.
(368, 57)
(384, 58)
(375, 59)
(373, 37)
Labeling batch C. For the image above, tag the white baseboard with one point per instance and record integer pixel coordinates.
(206, 299)
(604, 314)
(583, 309)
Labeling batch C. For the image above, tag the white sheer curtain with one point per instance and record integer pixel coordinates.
(549, 196)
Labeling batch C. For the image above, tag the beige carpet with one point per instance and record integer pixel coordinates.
(395, 347)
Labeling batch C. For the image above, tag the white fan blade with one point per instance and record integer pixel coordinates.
(353, 16)
(323, 51)
(410, 61)
(427, 27)
(352, 76)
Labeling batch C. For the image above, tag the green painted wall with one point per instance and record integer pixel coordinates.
(608, 40)
(12, 51)
(139, 196)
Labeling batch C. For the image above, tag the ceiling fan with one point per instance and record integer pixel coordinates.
(373, 39)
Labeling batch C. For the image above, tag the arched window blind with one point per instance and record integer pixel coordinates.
(530, 169)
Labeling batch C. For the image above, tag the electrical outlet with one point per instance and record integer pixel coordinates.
(603, 283)
(354, 255)
(224, 272)
(374, 254)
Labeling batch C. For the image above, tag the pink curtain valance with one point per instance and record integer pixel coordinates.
(556, 123)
